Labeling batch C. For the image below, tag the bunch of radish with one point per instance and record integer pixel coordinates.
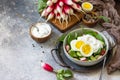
(61, 10)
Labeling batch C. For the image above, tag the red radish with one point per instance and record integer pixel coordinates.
(59, 9)
(61, 3)
(44, 13)
(50, 16)
(50, 8)
(77, 7)
(67, 47)
(66, 19)
(63, 15)
(47, 67)
(68, 2)
(55, 12)
(49, 3)
(59, 17)
(102, 52)
(54, 1)
(66, 9)
(72, 13)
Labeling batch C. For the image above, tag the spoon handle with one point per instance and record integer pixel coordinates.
(101, 73)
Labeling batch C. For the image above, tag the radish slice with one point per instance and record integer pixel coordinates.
(83, 59)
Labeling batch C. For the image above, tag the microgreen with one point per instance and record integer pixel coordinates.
(64, 74)
(61, 38)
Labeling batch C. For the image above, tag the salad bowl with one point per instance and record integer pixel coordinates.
(96, 53)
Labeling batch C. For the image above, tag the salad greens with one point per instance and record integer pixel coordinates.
(41, 5)
(61, 38)
(64, 74)
(93, 33)
(71, 37)
(77, 54)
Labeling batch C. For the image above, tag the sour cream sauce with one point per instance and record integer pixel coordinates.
(41, 30)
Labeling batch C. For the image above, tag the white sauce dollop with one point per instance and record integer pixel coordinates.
(41, 30)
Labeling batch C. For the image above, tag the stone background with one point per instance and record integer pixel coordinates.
(19, 59)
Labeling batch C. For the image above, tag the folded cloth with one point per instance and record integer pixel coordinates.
(113, 28)
(114, 63)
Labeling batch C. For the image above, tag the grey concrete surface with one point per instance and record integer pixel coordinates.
(19, 59)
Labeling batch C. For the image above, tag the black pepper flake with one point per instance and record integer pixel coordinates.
(43, 51)
(33, 45)
(41, 60)
(41, 46)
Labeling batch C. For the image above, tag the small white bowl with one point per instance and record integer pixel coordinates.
(85, 63)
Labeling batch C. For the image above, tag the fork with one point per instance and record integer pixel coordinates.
(103, 66)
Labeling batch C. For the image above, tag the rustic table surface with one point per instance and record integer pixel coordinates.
(20, 56)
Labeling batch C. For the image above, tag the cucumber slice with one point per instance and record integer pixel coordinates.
(92, 58)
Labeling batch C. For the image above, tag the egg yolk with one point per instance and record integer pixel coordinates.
(86, 49)
(79, 44)
(87, 6)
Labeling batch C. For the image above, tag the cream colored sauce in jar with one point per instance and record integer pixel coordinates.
(41, 30)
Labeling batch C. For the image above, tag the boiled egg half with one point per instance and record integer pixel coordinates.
(87, 6)
(86, 44)
(76, 44)
(86, 50)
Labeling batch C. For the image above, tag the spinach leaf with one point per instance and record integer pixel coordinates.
(67, 74)
(71, 36)
(98, 52)
(61, 39)
(73, 54)
(99, 37)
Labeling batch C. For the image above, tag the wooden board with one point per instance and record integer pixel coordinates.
(63, 27)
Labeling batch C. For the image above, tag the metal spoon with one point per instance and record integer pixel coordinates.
(103, 66)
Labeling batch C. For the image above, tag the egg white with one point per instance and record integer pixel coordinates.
(97, 46)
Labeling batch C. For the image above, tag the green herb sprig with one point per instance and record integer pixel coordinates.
(41, 5)
(64, 74)
(104, 18)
